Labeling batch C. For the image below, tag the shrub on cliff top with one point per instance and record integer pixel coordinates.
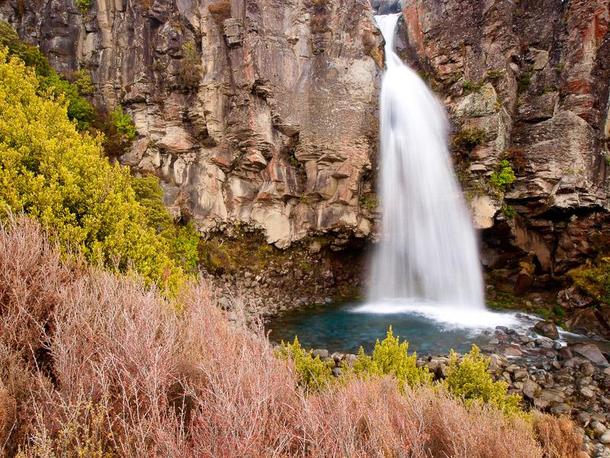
(52, 172)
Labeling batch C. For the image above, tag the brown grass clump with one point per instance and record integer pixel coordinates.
(126, 373)
(558, 436)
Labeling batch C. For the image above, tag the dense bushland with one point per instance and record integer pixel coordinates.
(97, 364)
(60, 176)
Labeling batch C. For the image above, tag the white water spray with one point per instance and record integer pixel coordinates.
(427, 260)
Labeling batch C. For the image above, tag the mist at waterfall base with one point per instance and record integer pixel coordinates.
(426, 278)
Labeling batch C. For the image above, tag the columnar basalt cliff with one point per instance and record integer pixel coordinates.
(526, 84)
(260, 112)
(263, 113)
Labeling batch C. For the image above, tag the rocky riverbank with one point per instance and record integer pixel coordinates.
(553, 375)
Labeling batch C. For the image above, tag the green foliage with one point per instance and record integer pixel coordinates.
(190, 72)
(503, 176)
(594, 279)
(50, 83)
(525, 79)
(124, 125)
(469, 138)
(52, 172)
(314, 374)
(84, 82)
(391, 357)
(471, 86)
(494, 74)
(369, 202)
(84, 5)
(470, 380)
(467, 379)
(182, 240)
(508, 211)
(30, 55)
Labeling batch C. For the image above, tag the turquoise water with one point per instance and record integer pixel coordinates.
(340, 328)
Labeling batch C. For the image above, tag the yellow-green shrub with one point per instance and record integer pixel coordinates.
(467, 378)
(49, 81)
(314, 374)
(391, 357)
(470, 380)
(54, 173)
(594, 278)
(182, 240)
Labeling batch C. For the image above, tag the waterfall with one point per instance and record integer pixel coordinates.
(428, 250)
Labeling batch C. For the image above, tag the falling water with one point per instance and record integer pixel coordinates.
(428, 253)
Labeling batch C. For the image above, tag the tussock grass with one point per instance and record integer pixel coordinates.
(97, 364)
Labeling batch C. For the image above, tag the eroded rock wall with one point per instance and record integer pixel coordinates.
(525, 82)
(263, 113)
(260, 111)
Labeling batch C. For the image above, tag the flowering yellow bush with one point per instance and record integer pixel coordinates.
(51, 171)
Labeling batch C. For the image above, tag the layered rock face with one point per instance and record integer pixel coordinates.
(263, 113)
(260, 112)
(526, 82)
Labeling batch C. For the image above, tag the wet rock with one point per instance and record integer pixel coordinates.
(544, 342)
(349, 359)
(591, 352)
(530, 389)
(320, 353)
(583, 419)
(520, 375)
(561, 409)
(598, 428)
(565, 354)
(587, 392)
(337, 357)
(547, 329)
(438, 366)
(512, 352)
(587, 369)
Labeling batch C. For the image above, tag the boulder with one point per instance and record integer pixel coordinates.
(547, 329)
(512, 352)
(591, 352)
(320, 353)
(530, 389)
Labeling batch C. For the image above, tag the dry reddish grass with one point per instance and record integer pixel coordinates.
(126, 373)
(558, 436)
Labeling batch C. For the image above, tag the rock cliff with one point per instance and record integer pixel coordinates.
(527, 83)
(263, 113)
(259, 112)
